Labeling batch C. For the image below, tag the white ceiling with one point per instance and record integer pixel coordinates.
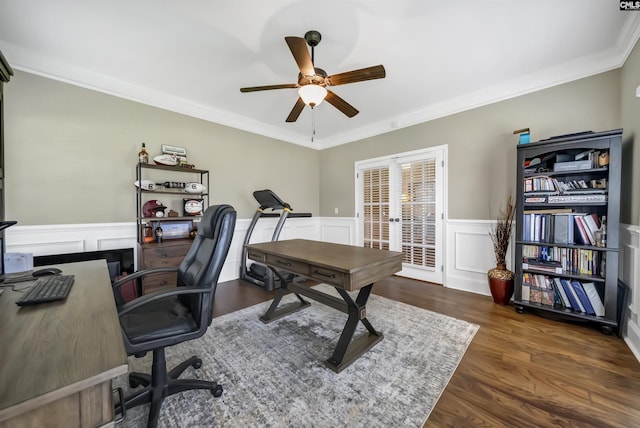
(192, 57)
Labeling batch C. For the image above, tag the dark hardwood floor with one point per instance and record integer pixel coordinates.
(521, 370)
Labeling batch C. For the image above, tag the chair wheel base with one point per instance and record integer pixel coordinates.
(217, 391)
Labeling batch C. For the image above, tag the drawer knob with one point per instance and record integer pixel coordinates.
(283, 263)
(164, 255)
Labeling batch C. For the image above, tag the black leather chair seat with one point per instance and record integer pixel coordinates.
(158, 320)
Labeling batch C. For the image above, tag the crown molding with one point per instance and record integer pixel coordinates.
(613, 58)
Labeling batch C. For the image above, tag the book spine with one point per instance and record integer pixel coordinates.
(593, 296)
(584, 301)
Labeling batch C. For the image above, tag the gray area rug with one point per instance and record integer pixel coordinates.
(274, 375)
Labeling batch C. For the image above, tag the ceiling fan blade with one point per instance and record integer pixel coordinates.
(369, 73)
(341, 104)
(295, 112)
(268, 87)
(298, 47)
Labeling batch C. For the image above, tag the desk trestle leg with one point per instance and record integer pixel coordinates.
(347, 351)
(275, 313)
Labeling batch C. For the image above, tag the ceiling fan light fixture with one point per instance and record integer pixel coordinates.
(312, 95)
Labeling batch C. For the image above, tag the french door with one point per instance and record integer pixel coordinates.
(400, 207)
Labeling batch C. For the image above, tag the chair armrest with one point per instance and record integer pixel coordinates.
(142, 273)
(159, 295)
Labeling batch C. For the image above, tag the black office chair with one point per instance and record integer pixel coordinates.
(167, 317)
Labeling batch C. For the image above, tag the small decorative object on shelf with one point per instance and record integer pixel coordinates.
(143, 156)
(179, 152)
(568, 209)
(167, 160)
(193, 207)
(153, 208)
(172, 184)
(500, 278)
(159, 234)
(524, 135)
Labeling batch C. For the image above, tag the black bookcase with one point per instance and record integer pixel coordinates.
(560, 182)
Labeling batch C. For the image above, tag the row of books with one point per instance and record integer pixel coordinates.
(552, 185)
(559, 261)
(566, 293)
(560, 228)
(556, 199)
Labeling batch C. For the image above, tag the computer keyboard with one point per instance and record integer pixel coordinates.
(47, 289)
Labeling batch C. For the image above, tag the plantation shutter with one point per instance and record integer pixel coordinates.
(417, 202)
(376, 207)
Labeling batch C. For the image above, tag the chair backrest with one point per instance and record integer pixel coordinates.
(202, 265)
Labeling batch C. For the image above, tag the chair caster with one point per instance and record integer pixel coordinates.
(217, 391)
(197, 364)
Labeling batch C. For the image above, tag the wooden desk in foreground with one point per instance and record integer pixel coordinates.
(346, 268)
(57, 359)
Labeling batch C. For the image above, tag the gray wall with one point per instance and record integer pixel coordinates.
(70, 156)
(630, 195)
(481, 144)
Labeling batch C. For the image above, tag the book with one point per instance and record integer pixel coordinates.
(568, 289)
(549, 266)
(592, 222)
(526, 287)
(563, 295)
(535, 295)
(590, 233)
(547, 297)
(582, 296)
(549, 211)
(582, 233)
(594, 298)
(563, 229)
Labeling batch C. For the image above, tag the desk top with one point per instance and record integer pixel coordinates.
(53, 349)
(341, 265)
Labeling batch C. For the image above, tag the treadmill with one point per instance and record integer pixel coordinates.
(257, 273)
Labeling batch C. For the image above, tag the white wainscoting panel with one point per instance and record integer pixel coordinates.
(629, 273)
(43, 240)
(469, 255)
(339, 230)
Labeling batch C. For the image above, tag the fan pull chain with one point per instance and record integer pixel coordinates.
(313, 123)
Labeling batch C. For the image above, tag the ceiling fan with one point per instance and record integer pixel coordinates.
(313, 82)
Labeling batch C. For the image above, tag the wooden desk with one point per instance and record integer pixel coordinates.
(57, 359)
(346, 268)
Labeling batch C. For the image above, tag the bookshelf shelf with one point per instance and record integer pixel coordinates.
(579, 278)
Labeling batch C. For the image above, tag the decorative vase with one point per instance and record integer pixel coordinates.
(501, 284)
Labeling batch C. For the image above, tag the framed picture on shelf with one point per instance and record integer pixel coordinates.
(176, 229)
(179, 152)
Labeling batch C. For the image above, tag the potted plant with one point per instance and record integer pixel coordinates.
(500, 278)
